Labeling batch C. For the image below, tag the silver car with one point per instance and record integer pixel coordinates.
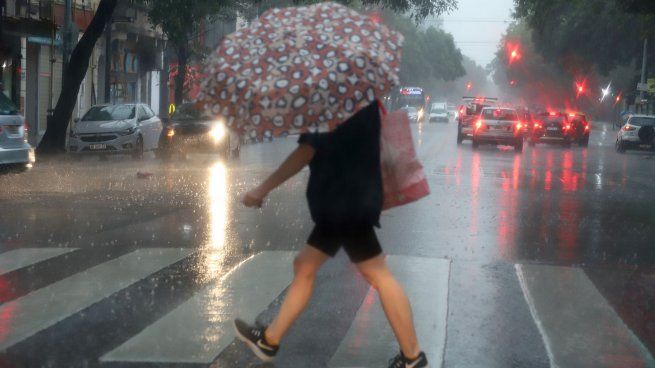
(638, 133)
(498, 126)
(14, 149)
(115, 129)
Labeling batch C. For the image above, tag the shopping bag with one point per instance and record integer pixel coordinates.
(403, 178)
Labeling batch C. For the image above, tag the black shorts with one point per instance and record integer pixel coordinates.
(360, 242)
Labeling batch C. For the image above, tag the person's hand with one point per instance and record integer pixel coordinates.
(254, 198)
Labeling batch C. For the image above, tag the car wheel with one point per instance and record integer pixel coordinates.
(518, 146)
(475, 144)
(163, 153)
(137, 154)
(460, 136)
(620, 147)
(585, 141)
(567, 143)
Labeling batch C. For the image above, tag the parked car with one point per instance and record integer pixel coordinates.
(15, 152)
(552, 127)
(498, 126)
(116, 129)
(638, 133)
(193, 130)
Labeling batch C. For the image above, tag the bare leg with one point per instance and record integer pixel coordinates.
(305, 267)
(394, 302)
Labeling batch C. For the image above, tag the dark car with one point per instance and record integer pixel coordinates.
(192, 130)
(552, 127)
(580, 127)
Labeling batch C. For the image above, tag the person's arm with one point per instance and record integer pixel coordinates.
(298, 159)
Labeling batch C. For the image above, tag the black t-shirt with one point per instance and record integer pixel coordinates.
(345, 182)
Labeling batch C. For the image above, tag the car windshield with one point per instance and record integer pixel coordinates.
(499, 114)
(438, 110)
(189, 112)
(6, 106)
(642, 121)
(107, 113)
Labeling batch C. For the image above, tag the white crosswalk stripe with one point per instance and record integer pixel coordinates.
(578, 326)
(25, 257)
(199, 329)
(40, 309)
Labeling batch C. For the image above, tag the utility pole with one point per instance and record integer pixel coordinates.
(643, 68)
(108, 61)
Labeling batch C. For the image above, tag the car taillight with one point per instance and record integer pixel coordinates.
(519, 126)
(629, 128)
(566, 127)
(170, 133)
(478, 124)
(586, 127)
(537, 125)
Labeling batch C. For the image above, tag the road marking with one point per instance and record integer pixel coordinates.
(578, 326)
(199, 329)
(23, 257)
(370, 341)
(40, 309)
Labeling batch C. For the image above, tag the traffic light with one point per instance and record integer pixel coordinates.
(580, 88)
(469, 86)
(513, 51)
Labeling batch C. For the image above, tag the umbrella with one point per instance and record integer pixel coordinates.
(300, 69)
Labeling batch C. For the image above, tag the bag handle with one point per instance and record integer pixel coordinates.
(383, 110)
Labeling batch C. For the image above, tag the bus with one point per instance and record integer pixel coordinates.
(410, 97)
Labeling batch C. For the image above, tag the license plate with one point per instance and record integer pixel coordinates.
(497, 127)
(98, 146)
(645, 146)
(552, 129)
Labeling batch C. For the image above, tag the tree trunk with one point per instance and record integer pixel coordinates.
(182, 59)
(54, 140)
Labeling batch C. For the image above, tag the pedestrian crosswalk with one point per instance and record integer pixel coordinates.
(578, 327)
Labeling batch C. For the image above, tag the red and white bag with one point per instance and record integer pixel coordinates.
(403, 178)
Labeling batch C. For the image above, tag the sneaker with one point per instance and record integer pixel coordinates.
(254, 338)
(401, 362)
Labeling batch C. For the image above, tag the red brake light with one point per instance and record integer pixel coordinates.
(567, 127)
(628, 128)
(537, 125)
(553, 113)
(519, 126)
(478, 124)
(586, 127)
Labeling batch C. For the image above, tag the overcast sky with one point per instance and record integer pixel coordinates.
(477, 27)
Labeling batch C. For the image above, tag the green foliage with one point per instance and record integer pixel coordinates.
(588, 33)
(179, 19)
(428, 55)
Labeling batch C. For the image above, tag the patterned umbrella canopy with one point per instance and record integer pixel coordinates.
(300, 69)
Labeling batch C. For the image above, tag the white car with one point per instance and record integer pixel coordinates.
(439, 112)
(638, 133)
(114, 129)
(413, 114)
(14, 149)
(498, 126)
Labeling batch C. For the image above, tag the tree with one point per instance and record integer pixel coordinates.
(429, 55)
(602, 34)
(180, 20)
(54, 140)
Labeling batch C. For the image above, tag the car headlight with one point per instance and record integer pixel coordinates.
(128, 131)
(217, 132)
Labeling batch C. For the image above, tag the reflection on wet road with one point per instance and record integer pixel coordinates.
(513, 226)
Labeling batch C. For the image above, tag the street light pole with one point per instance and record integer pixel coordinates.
(643, 69)
(108, 62)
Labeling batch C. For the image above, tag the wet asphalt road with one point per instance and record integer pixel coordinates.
(526, 235)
